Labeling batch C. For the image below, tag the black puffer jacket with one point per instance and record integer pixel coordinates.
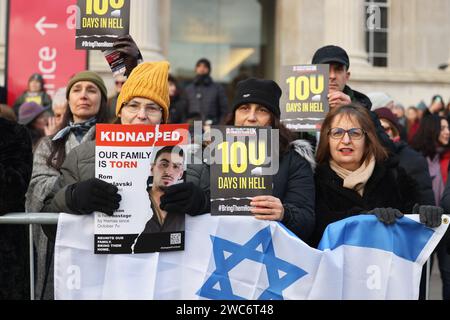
(416, 166)
(207, 99)
(16, 161)
(294, 186)
(389, 186)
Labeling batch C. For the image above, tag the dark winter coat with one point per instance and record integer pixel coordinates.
(416, 166)
(207, 99)
(16, 161)
(389, 186)
(294, 186)
(178, 109)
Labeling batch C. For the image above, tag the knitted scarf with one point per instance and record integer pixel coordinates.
(357, 179)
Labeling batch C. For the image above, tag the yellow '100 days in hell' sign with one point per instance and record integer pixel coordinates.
(101, 22)
(101, 7)
(243, 162)
(304, 103)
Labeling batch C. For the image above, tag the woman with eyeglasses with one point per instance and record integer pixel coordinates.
(354, 175)
(144, 100)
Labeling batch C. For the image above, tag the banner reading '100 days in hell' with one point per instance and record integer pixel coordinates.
(304, 103)
(101, 22)
(242, 167)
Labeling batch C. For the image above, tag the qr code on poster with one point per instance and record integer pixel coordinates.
(175, 238)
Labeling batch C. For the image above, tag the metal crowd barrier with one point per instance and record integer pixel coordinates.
(30, 218)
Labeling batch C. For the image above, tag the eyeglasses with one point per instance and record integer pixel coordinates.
(120, 82)
(353, 133)
(134, 107)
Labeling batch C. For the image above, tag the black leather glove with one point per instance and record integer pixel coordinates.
(429, 215)
(184, 198)
(92, 195)
(386, 215)
(130, 51)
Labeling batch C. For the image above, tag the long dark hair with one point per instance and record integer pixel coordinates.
(285, 134)
(58, 147)
(372, 143)
(426, 139)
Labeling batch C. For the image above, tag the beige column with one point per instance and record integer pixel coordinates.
(2, 40)
(297, 31)
(145, 28)
(344, 26)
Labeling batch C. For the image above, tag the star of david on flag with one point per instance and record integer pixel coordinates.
(281, 274)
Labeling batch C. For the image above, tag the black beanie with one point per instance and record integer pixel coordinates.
(204, 61)
(260, 91)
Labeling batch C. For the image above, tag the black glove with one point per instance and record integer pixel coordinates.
(130, 52)
(93, 195)
(429, 215)
(386, 215)
(184, 198)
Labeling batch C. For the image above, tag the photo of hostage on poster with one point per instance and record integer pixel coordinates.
(101, 23)
(142, 161)
(244, 162)
(167, 168)
(304, 102)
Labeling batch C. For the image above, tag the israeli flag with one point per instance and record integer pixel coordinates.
(241, 258)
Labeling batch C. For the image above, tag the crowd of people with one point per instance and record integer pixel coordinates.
(372, 157)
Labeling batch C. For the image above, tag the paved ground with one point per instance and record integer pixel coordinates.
(435, 283)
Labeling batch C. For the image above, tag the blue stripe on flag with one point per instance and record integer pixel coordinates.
(367, 231)
(286, 229)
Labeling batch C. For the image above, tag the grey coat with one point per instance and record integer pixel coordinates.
(43, 180)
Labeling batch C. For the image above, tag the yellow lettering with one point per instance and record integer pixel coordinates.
(256, 183)
(317, 84)
(316, 107)
(227, 183)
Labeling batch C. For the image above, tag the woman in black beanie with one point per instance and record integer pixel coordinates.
(256, 103)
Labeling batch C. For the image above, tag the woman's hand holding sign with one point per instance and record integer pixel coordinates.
(267, 208)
